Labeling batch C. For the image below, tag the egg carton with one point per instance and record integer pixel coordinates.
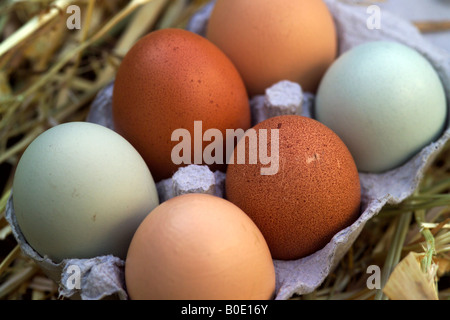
(103, 277)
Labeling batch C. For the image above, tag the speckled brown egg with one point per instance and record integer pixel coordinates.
(314, 194)
(167, 81)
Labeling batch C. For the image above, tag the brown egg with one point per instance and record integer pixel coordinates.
(270, 41)
(314, 194)
(199, 247)
(167, 81)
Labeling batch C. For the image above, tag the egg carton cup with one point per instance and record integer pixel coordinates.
(86, 279)
(103, 277)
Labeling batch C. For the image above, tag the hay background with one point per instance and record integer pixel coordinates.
(50, 75)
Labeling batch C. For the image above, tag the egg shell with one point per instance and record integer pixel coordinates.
(80, 191)
(315, 193)
(167, 81)
(199, 247)
(270, 41)
(385, 101)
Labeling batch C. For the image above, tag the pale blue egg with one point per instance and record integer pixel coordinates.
(80, 191)
(385, 101)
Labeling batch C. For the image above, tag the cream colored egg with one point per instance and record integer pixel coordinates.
(199, 247)
(80, 191)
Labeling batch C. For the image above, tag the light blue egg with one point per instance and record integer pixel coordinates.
(385, 101)
(80, 191)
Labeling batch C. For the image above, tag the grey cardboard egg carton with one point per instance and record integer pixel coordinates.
(103, 277)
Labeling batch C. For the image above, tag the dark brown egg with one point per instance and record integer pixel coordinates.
(314, 194)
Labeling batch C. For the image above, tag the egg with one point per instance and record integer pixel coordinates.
(199, 247)
(270, 41)
(81, 190)
(314, 194)
(385, 101)
(170, 79)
